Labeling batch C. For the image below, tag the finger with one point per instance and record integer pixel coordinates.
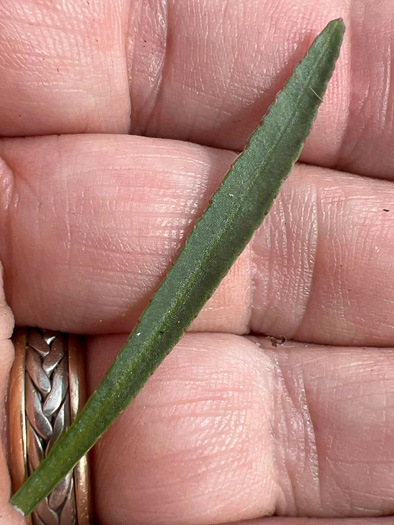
(63, 67)
(204, 72)
(90, 225)
(228, 429)
(317, 521)
(8, 515)
(224, 62)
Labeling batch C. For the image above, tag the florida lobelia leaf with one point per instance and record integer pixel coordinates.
(235, 211)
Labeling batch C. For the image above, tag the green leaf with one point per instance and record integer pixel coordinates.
(235, 211)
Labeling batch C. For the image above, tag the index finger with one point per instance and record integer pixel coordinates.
(198, 71)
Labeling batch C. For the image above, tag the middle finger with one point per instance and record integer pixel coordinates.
(90, 224)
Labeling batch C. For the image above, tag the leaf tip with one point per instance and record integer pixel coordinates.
(338, 23)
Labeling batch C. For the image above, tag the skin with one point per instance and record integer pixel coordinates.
(230, 428)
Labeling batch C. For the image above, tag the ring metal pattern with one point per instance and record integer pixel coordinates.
(46, 393)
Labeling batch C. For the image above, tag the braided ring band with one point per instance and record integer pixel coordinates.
(46, 392)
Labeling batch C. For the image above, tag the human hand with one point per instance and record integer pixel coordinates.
(229, 428)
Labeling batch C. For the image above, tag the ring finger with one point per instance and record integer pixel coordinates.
(231, 428)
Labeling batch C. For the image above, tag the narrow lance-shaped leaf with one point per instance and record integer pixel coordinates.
(235, 211)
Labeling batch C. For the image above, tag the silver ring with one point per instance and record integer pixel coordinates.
(46, 393)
